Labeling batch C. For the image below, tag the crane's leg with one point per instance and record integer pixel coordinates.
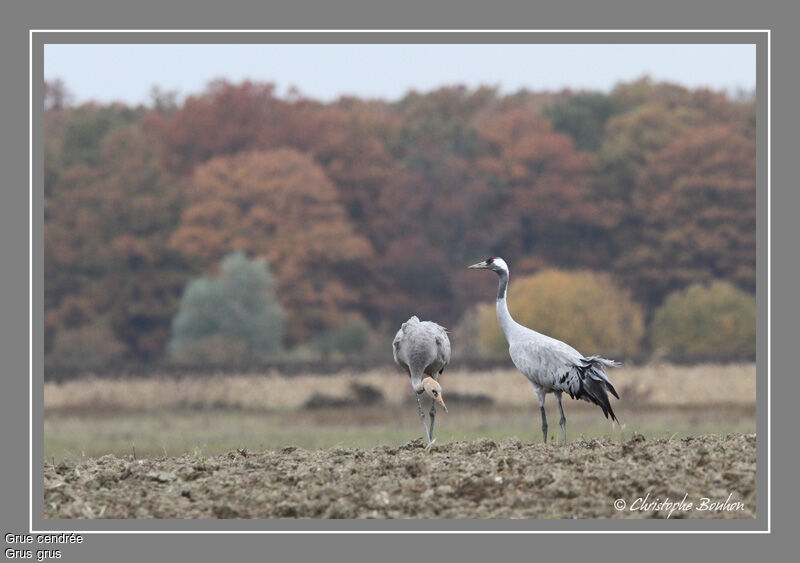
(422, 418)
(563, 421)
(540, 397)
(544, 424)
(433, 417)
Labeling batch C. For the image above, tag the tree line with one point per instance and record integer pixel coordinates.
(367, 211)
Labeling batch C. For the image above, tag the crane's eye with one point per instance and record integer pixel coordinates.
(435, 392)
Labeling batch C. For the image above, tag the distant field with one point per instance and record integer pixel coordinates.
(212, 415)
(211, 432)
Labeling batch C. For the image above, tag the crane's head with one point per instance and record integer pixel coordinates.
(496, 264)
(434, 390)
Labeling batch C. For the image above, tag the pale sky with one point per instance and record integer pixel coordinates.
(126, 73)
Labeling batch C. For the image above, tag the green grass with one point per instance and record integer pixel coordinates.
(211, 432)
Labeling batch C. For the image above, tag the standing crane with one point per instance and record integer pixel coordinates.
(550, 365)
(423, 348)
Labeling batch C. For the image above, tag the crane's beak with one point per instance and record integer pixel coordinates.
(478, 266)
(441, 402)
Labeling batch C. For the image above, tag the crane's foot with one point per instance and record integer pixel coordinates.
(430, 444)
(562, 421)
(432, 416)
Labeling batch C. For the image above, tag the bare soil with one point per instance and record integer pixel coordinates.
(474, 479)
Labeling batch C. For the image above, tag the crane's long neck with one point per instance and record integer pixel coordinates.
(416, 379)
(503, 316)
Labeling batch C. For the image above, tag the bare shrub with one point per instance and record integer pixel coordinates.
(91, 346)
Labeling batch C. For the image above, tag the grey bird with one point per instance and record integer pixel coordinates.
(422, 348)
(550, 365)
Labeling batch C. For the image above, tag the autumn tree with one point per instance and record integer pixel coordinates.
(422, 220)
(696, 215)
(540, 200)
(631, 138)
(434, 194)
(714, 319)
(279, 205)
(650, 116)
(367, 209)
(713, 106)
(224, 120)
(417, 275)
(106, 229)
(349, 140)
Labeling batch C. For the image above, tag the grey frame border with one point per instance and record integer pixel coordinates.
(762, 522)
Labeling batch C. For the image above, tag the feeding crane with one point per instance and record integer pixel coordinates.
(422, 348)
(550, 365)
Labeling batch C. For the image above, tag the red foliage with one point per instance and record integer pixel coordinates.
(279, 205)
(697, 214)
(376, 207)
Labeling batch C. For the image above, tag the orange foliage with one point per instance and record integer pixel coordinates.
(105, 246)
(225, 119)
(279, 205)
(543, 198)
(375, 207)
(698, 214)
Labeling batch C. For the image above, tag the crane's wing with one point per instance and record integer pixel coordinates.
(399, 344)
(442, 341)
(398, 338)
(438, 335)
(561, 367)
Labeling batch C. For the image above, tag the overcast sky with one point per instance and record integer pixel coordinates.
(127, 72)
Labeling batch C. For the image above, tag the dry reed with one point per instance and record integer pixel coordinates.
(658, 384)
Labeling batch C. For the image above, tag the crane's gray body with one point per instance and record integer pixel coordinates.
(550, 365)
(422, 348)
(553, 366)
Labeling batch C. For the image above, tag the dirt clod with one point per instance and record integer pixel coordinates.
(476, 479)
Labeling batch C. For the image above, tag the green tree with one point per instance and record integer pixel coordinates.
(349, 338)
(87, 128)
(583, 117)
(713, 319)
(239, 305)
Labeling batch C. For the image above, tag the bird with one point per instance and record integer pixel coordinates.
(422, 348)
(552, 366)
